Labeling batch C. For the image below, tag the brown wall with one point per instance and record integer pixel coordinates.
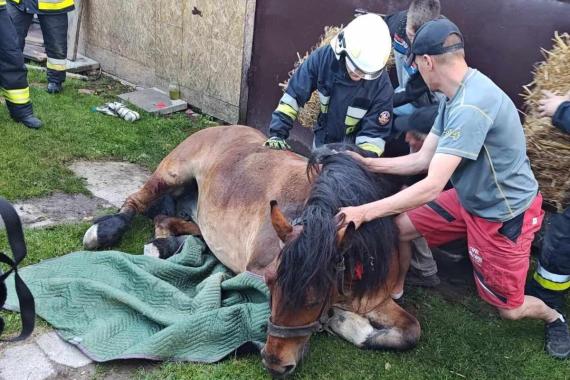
(154, 43)
(503, 40)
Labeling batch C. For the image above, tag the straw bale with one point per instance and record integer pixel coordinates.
(548, 147)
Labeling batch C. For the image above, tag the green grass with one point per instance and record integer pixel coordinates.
(459, 340)
(33, 163)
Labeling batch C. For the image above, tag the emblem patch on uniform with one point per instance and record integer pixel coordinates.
(384, 118)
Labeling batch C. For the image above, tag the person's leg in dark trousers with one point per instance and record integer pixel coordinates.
(22, 22)
(551, 280)
(54, 30)
(13, 75)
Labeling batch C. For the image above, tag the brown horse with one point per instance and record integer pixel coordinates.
(319, 277)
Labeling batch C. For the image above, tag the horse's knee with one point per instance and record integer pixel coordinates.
(107, 231)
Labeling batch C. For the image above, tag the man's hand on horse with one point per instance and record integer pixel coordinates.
(356, 215)
(277, 143)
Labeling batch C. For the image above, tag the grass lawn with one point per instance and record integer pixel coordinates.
(460, 340)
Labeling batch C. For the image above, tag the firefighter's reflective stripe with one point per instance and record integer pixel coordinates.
(18, 96)
(324, 101)
(56, 64)
(54, 5)
(371, 144)
(353, 117)
(552, 281)
(288, 106)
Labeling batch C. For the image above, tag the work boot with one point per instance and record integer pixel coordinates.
(54, 88)
(416, 279)
(31, 122)
(557, 339)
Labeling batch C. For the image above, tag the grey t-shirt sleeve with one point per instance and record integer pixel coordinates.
(465, 132)
(437, 127)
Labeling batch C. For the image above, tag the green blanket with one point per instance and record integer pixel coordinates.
(114, 305)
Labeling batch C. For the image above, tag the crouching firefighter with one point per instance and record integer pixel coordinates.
(13, 80)
(53, 21)
(354, 90)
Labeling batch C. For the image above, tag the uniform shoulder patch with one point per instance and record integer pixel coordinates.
(384, 118)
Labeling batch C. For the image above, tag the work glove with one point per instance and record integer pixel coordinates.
(277, 143)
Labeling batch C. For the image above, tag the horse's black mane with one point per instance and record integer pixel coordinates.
(309, 261)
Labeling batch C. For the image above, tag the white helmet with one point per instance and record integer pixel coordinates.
(366, 44)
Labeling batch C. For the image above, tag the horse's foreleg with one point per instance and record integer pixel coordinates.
(108, 230)
(388, 326)
(170, 226)
(170, 233)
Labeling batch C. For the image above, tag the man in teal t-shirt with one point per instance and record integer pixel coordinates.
(478, 143)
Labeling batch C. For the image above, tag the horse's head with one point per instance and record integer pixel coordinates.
(297, 309)
(317, 257)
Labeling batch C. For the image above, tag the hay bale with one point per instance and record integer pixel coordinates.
(548, 147)
(309, 113)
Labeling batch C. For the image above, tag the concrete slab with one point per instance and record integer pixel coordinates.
(62, 352)
(154, 100)
(82, 64)
(57, 209)
(25, 362)
(111, 181)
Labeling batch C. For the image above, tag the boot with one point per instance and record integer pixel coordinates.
(557, 339)
(54, 88)
(31, 122)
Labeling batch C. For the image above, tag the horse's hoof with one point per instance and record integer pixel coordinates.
(90, 238)
(107, 231)
(164, 247)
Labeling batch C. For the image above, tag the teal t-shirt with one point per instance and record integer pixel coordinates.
(481, 124)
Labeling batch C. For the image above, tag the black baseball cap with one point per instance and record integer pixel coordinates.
(431, 36)
(421, 120)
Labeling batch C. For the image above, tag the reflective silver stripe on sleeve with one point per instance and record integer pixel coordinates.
(289, 100)
(357, 113)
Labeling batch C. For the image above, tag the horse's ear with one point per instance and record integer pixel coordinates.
(280, 222)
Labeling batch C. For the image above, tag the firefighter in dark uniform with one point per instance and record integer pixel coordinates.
(354, 90)
(551, 279)
(13, 81)
(53, 21)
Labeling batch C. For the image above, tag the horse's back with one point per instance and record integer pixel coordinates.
(237, 178)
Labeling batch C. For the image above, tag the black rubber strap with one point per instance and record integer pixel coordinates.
(18, 246)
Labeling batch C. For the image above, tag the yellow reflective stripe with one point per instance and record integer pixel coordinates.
(54, 5)
(551, 285)
(351, 121)
(287, 110)
(350, 130)
(372, 148)
(19, 96)
(56, 64)
(2, 2)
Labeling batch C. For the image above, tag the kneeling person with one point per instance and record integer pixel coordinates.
(354, 90)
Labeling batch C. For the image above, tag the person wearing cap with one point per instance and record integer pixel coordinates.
(354, 90)
(478, 143)
(415, 129)
(551, 278)
(415, 109)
